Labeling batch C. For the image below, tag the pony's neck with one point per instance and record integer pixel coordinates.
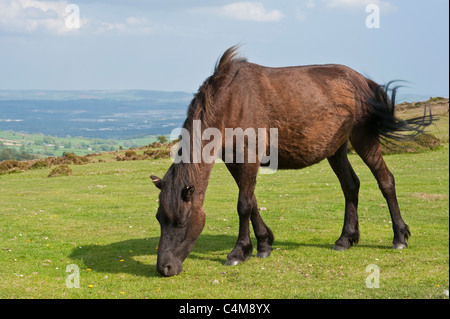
(197, 169)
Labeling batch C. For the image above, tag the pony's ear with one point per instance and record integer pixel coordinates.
(157, 181)
(186, 193)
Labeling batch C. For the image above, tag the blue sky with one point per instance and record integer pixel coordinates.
(173, 45)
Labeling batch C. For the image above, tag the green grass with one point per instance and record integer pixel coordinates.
(102, 218)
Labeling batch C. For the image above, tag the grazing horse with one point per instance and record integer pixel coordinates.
(316, 110)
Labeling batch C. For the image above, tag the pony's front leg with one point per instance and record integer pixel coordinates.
(245, 177)
(243, 249)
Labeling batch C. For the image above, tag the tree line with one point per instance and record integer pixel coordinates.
(11, 154)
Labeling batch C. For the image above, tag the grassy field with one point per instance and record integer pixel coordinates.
(102, 219)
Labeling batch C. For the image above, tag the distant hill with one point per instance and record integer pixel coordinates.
(117, 95)
(410, 98)
(100, 114)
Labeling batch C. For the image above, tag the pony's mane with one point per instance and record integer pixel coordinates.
(202, 108)
(202, 105)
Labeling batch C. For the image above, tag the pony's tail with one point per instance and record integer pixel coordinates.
(381, 115)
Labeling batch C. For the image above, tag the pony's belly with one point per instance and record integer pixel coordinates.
(307, 152)
(298, 160)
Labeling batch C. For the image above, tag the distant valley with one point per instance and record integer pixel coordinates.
(93, 114)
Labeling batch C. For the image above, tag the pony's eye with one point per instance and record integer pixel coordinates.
(180, 225)
(181, 221)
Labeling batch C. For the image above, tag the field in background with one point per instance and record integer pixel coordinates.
(43, 145)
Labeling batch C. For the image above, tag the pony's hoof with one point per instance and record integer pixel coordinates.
(232, 262)
(339, 248)
(263, 254)
(399, 246)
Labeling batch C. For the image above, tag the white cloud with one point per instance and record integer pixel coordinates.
(250, 11)
(310, 4)
(137, 21)
(49, 17)
(30, 16)
(131, 25)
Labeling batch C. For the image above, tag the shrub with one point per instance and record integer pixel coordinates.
(40, 164)
(6, 166)
(428, 141)
(61, 170)
(71, 158)
(436, 99)
(423, 142)
(155, 154)
(130, 153)
(149, 153)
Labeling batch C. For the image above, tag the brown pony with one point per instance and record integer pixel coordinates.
(316, 110)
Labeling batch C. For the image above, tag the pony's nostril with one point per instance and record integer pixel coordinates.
(170, 270)
(166, 270)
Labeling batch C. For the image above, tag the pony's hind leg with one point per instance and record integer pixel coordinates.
(350, 186)
(369, 149)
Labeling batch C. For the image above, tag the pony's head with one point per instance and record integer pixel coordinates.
(181, 217)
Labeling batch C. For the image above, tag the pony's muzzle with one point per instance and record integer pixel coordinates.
(170, 269)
